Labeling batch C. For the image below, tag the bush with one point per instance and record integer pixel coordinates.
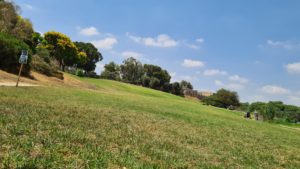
(40, 65)
(79, 72)
(223, 98)
(92, 74)
(10, 51)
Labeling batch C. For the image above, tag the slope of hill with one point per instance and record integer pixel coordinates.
(92, 123)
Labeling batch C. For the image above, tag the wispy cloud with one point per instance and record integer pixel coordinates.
(293, 68)
(161, 41)
(275, 90)
(230, 86)
(200, 40)
(133, 54)
(27, 7)
(192, 63)
(214, 72)
(105, 44)
(196, 45)
(219, 83)
(288, 45)
(237, 78)
(89, 31)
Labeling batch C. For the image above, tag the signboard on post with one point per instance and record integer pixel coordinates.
(23, 60)
(24, 57)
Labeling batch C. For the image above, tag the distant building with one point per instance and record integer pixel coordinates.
(197, 94)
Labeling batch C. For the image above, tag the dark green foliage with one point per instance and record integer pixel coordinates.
(79, 72)
(111, 71)
(155, 77)
(93, 56)
(277, 110)
(132, 71)
(244, 106)
(223, 98)
(176, 89)
(10, 50)
(186, 85)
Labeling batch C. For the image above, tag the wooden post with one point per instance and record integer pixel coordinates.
(20, 71)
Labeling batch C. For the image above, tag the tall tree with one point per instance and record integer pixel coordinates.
(223, 98)
(13, 24)
(62, 48)
(186, 85)
(111, 71)
(92, 56)
(157, 77)
(132, 71)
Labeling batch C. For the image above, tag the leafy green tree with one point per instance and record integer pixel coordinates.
(258, 106)
(10, 51)
(244, 106)
(186, 85)
(13, 24)
(176, 89)
(111, 71)
(223, 98)
(8, 17)
(24, 30)
(92, 56)
(132, 71)
(62, 49)
(157, 75)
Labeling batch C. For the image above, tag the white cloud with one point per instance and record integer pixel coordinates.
(90, 31)
(192, 46)
(219, 83)
(274, 90)
(214, 72)
(105, 44)
(200, 40)
(173, 74)
(162, 41)
(192, 63)
(283, 44)
(27, 7)
(99, 67)
(133, 54)
(293, 68)
(237, 78)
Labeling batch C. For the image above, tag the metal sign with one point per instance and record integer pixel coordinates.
(24, 57)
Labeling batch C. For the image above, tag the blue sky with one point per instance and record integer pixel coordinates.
(252, 47)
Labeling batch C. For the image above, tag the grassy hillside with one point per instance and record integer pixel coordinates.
(107, 124)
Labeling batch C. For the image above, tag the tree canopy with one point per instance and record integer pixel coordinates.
(223, 98)
(92, 56)
(132, 70)
(62, 48)
(111, 71)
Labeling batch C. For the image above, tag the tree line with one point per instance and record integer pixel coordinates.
(275, 111)
(147, 75)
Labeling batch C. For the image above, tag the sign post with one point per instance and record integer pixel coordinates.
(23, 60)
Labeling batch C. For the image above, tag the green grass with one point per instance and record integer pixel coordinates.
(115, 125)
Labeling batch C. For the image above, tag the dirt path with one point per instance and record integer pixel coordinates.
(13, 84)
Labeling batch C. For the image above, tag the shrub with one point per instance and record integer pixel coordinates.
(40, 65)
(223, 98)
(79, 72)
(10, 50)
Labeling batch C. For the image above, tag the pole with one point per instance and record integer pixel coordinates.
(19, 75)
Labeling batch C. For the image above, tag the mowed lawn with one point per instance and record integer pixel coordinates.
(115, 125)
